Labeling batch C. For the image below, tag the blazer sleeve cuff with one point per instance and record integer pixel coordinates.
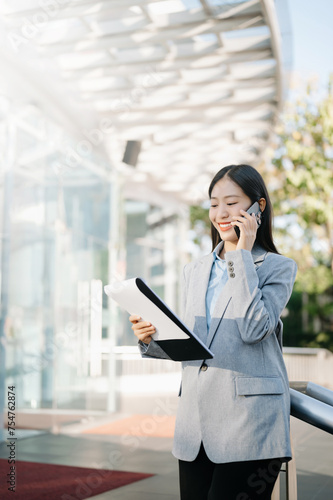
(151, 350)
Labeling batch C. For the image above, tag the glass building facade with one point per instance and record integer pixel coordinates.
(66, 232)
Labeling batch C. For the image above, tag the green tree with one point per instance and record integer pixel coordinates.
(301, 182)
(304, 167)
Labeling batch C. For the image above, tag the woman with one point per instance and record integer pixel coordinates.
(232, 426)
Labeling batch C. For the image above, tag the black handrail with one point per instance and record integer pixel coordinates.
(314, 390)
(309, 408)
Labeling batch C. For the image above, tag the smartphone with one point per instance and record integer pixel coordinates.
(254, 209)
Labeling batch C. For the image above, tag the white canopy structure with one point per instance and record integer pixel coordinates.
(196, 82)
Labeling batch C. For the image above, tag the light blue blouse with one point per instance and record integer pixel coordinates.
(218, 278)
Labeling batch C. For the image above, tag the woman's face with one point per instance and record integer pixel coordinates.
(227, 199)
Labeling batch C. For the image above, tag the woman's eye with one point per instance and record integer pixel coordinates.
(212, 206)
(231, 203)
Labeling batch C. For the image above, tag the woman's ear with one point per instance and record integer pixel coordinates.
(262, 204)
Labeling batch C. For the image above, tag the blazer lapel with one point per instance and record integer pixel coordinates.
(218, 312)
(258, 255)
(201, 278)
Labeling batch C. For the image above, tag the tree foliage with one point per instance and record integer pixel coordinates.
(303, 161)
(300, 181)
(302, 191)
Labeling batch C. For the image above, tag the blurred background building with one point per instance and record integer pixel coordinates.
(114, 117)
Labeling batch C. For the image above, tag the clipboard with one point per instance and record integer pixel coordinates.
(171, 334)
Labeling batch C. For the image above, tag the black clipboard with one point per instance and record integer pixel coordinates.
(172, 335)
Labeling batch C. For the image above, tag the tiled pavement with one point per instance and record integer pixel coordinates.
(142, 453)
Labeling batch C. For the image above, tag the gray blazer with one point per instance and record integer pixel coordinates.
(239, 405)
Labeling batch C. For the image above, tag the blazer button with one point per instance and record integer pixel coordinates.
(230, 263)
(232, 275)
(204, 367)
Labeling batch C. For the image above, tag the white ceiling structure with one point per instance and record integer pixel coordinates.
(197, 82)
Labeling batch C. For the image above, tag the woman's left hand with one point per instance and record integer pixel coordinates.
(248, 230)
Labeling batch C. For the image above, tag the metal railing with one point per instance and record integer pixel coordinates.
(313, 404)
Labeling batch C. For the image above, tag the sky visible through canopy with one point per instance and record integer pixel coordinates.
(312, 35)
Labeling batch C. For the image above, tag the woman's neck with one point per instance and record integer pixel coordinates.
(228, 246)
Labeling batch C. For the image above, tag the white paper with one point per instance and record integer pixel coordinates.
(129, 297)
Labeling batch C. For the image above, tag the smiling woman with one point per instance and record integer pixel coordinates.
(232, 424)
(232, 191)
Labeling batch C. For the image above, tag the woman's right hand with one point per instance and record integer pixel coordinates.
(142, 329)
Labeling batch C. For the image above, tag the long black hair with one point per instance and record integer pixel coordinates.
(253, 185)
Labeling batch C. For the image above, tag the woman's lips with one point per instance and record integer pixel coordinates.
(225, 226)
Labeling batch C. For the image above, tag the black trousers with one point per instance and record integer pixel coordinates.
(205, 480)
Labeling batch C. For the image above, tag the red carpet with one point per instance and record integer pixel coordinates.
(35, 481)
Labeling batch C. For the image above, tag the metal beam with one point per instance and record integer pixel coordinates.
(148, 37)
(215, 59)
(262, 43)
(272, 21)
(221, 85)
(266, 104)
